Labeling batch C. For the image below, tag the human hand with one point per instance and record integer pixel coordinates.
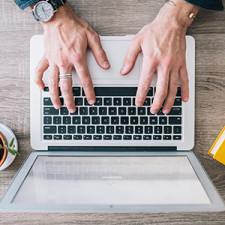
(66, 38)
(163, 45)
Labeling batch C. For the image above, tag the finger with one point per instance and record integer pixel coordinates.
(66, 89)
(53, 83)
(98, 52)
(172, 91)
(161, 89)
(39, 71)
(85, 79)
(184, 83)
(147, 73)
(131, 56)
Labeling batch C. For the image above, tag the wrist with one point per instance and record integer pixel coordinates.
(177, 14)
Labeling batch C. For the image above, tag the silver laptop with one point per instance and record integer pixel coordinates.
(113, 156)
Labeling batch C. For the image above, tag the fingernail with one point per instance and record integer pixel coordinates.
(72, 110)
(153, 111)
(106, 64)
(165, 111)
(138, 104)
(91, 102)
(57, 106)
(186, 99)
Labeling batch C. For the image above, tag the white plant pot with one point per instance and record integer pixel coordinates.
(8, 135)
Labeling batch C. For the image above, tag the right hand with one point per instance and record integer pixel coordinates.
(66, 38)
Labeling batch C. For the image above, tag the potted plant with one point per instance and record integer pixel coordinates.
(8, 147)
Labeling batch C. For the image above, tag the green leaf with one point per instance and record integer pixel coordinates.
(1, 146)
(13, 146)
(10, 150)
(11, 142)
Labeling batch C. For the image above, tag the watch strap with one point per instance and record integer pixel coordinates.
(34, 16)
(57, 3)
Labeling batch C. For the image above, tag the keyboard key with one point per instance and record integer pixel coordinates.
(64, 111)
(141, 111)
(160, 112)
(157, 129)
(175, 111)
(102, 111)
(57, 137)
(90, 129)
(112, 111)
(105, 120)
(78, 101)
(148, 111)
(57, 120)
(175, 120)
(46, 89)
(107, 137)
(83, 110)
(177, 129)
(117, 137)
(115, 91)
(66, 120)
(166, 137)
(122, 111)
(144, 120)
(62, 101)
(148, 129)
(61, 129)
(178, 102)
(85, 120)
(114, 120)
(76, 112)
(71, 129)
(107, 101)
(134, 120)
(137, 137)
(119, 129)
(93, 110)
(147, 137)
(76, 119)
(127, 137)
(87, 137)
(98, 101)
(176, 137)
(95, 120)
(81, 129)
(47, 101)
(49, 129)
(167, 130)
(131, 111)
(162, 120)
(51, 111)
(86, 102)
(157, 137)
(153, 120)
(100, 129)
(127, 101)
(67, 137)
(117, 101)
(47, 120)
(138, 130)
(97, 137)
(147, 102)
(47, 137)
(110, 129)
(150, 92)
(124, 120)
(76, 91)
(129, 130)
(178, 91)
(77, 137)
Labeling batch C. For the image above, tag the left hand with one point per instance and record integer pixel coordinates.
(163, 45)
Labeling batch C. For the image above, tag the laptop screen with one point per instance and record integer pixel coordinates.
(112, 181)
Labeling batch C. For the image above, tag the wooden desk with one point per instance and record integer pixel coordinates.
(113, 18)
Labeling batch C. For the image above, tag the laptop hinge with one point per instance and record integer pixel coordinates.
(110, 148)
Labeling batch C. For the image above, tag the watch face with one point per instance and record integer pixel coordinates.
(43, 11)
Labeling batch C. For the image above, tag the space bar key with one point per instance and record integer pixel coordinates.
(115, 91)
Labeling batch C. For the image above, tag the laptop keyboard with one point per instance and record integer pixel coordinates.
(113, 117)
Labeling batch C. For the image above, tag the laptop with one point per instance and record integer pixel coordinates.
(113, 156)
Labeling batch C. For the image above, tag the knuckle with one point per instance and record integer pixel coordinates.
(162, 93)
(168, 62)
(86, 83)
(77, 58)
(52, 84)
(54, 99)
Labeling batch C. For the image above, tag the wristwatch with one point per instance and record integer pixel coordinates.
(45, 10)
